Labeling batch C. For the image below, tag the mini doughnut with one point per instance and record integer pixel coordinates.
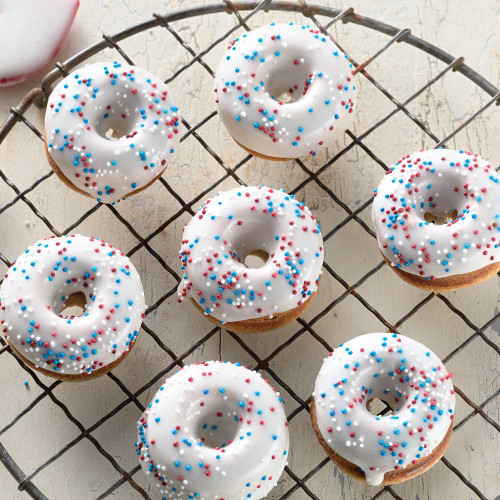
(102, 101)
(285, 91)
(246, 221)
(57, 273)
(32, 34)
(411, 379)
(437, 217)
(214, 430)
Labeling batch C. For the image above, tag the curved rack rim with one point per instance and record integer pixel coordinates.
(282, 6)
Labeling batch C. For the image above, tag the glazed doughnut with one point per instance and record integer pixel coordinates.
(57, 273)
(437, 217)
(214, 430)
(110, 98)
(285, 91)
(406, 375)
(32, 34)
(251, 221)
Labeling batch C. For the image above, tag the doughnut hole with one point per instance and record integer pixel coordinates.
(287, 82)
(73, 306)
(253, 242)
(285, 97)
(440, 201)
(113, 134)
(440, 219)
(118, 125)
(216, 423)
(388, 396)
(256, 259)
(379, 407)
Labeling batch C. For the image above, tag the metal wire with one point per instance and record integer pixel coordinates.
(39, 96)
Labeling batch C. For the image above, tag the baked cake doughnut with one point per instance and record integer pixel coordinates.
(392, 448)
(97, 103)
(437, 217)
(32, 34)
(246, 221)
(57, 273)
(214, 430)
(285, 91)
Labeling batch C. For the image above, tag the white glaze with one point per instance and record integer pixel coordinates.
(395, 369)
(103, 96)
(34, 292)
(259, 66)
(439, 181)
(241, 458)
(32, 32)
(229, 227)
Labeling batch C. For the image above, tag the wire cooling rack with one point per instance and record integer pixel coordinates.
(242, 12)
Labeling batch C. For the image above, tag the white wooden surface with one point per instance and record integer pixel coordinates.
(463, 28)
